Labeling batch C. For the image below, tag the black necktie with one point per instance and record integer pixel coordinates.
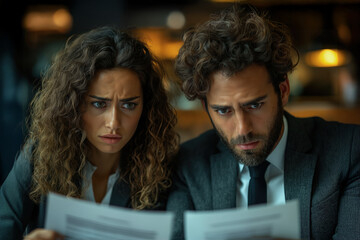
(257, 185)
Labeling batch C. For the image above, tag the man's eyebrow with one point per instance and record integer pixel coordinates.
(217, 107)
(254, 101)
(108, 99)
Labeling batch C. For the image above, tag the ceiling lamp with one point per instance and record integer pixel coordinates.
(327, 49)
(327, 58)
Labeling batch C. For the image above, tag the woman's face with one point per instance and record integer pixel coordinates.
(112, 109)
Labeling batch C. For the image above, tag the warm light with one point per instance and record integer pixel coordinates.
(159, 43)
(228, 1)
(62, 18)
(171, 49)
(47, 18)
(175, 20)
(326, 58)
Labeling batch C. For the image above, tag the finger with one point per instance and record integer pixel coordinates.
(44, 234)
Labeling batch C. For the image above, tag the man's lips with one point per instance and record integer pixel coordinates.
(248, 146)
(111, 138)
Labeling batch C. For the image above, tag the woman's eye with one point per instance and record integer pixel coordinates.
(129, 105)
(99, 104)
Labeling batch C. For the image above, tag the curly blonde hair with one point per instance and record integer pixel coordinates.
(60, 148)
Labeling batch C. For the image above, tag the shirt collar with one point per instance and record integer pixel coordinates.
(90, 169)
(277, 156)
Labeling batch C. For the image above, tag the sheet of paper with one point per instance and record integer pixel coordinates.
(258, 222)
(79, 219)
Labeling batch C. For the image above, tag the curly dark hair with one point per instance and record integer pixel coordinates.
(231, 40)
(55, 125)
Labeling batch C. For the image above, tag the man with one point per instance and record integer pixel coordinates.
(237, 65)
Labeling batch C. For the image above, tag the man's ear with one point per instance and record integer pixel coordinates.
(203, 102)
(284, 87)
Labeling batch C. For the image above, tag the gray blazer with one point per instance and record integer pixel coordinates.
(19, 214)
(322, 170)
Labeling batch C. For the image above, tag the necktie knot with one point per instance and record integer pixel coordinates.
(259, 170)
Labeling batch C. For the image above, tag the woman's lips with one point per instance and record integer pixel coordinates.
(111, 138)
(248, 146)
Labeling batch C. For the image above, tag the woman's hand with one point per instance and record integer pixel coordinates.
(44, 234)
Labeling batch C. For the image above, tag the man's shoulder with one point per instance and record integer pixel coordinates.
(196, 153)
(314, 124)
(200, 147)
(318, 131)
(205, 141)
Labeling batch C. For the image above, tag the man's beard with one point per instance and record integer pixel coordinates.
(254, 157)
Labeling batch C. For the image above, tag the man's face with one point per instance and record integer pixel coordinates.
(247, 112)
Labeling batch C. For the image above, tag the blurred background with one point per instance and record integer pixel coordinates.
(326, 32)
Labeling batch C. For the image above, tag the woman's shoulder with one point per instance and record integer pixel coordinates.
(23, 166)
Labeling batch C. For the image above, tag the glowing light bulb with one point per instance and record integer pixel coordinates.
(326, 58)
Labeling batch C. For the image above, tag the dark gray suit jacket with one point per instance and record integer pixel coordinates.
(19, 214)
(321, 169)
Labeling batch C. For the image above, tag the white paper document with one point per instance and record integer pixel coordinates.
(258, 222)
(83, 220)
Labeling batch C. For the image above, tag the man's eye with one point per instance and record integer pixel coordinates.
(254, 106)
(129, 105)
(99, 104)
(223, 111)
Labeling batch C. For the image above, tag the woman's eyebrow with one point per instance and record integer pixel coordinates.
(129, 99)
(108, 99)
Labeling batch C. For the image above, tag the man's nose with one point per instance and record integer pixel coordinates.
(243, 123)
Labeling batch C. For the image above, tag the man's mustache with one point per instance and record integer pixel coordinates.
(243, 139)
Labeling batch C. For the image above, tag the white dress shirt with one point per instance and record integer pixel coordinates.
(87, 183)
(274, 176)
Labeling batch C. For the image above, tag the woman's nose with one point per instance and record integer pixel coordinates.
(113, 119)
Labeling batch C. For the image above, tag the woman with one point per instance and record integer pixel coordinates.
(101, 128)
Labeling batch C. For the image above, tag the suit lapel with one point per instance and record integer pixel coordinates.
(299, 171)
(224, 171)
